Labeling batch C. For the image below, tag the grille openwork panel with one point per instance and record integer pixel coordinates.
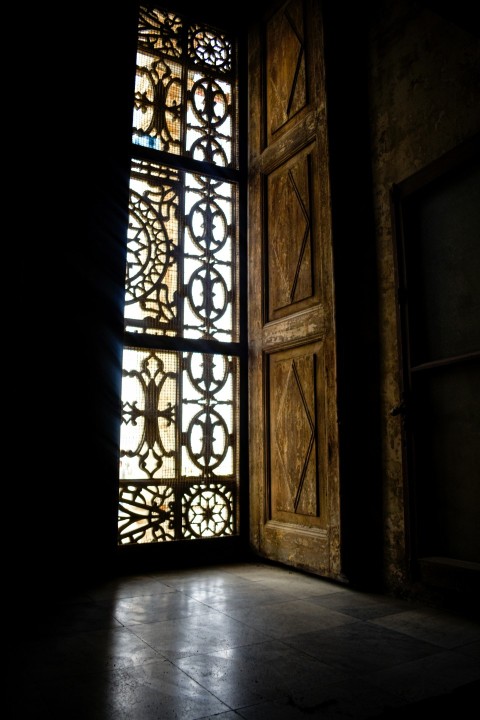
(179, 474)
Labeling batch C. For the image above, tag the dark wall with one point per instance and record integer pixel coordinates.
(77, 233)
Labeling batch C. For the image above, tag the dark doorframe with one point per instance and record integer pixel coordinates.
(437, 219)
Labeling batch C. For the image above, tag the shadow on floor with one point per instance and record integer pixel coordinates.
(460, 703)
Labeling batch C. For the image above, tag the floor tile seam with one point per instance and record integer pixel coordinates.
(265, 582)
(348, 674)
(215, 611)
(302, 594)
(161, 588)
(284, 601)
(300, 590)
(206, 689)
(288, 641)
(169, 578)
(113, 613)
(431, 692)
(398, 664)
(268, 589)
(254, 602)
(319, 600)
(266, 639)
(147, 621)
(419, 637)
(148, 645)
(189, 590)
(253, 577)
(253, 643)
(423, 613)
(332, 689)
(323, 595)
(234, 580)
(329, 690)
(315, 631)
(256, 579)
(232, 588)
(236, 710)
(231, 707)
(278, 572)
(107, 600)
(351, 673)
(183, 616)
(266, 634)
(412, 632)
(292, 597)
(255, 627)
(285, 699)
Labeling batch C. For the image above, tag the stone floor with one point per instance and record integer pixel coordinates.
(247, 640)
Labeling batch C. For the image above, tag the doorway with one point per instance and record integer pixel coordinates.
(438, 224)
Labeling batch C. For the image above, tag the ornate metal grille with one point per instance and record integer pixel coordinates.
(179, 441)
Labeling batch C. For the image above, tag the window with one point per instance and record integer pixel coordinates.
(179, 474)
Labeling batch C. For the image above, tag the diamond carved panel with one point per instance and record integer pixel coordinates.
(294, 485)
(289, 236)
(286, 87)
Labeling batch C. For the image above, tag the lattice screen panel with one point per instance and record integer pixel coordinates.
(179, 443)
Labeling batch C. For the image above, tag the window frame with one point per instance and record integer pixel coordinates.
(236, 349)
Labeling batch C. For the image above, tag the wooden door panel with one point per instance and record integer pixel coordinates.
(296, 446)
(289, 235)
(285, 66)
(294, 484)
(294, 329)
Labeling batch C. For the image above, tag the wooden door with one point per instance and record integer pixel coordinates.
(294, 492)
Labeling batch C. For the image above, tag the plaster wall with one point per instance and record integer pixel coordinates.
(424, 99)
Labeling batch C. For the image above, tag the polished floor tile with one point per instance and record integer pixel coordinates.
(269, 670)
(246, 640)
(439, 628)
(431, 675)
(156, 608)
(204, 633)
(362, 647)
(291, 618)
(363, 606)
